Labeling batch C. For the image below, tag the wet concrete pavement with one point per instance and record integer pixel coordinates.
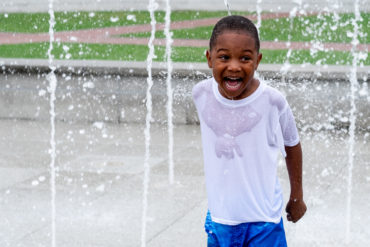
(99, 187)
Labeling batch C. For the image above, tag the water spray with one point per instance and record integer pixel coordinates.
(286, 66)
(169, 42)
(228, 7)
(354, 86)
(151, 8)
(258, 11)
(52, 88)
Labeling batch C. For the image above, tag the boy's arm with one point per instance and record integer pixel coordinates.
(296, 207)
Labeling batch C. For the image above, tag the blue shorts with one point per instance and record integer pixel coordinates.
(254, 234)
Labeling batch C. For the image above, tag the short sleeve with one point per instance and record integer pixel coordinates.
(288, 127)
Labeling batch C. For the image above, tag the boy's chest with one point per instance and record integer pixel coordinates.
(232, 121)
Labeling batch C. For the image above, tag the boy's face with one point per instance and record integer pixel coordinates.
(233, 60)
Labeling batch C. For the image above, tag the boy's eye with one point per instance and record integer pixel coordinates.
(246, 58)
(224, 57)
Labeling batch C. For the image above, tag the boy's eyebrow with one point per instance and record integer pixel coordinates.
(224, 49)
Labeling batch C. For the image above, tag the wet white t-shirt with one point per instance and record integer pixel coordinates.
(241, 140)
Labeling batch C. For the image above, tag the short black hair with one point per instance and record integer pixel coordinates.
(234, 23)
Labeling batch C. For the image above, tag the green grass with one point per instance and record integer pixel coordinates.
(179, 54)
(80, 51)
(68, 21)
(322, 28)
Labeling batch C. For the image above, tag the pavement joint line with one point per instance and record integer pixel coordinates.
(176, 220)
(30, 234)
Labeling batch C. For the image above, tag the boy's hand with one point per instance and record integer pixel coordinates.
(295, 209)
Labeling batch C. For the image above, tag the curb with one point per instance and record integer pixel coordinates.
(126, 68)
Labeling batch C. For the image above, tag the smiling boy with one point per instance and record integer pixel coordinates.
(244, 124)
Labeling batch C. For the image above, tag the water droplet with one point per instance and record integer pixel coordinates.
(114, 19)
(100, 188)
(42, 92)
(98, 125)
(88, 84)
(131, 18)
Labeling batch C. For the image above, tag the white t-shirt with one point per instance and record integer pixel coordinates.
(241, 140)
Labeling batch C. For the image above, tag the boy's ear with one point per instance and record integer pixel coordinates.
(259, 58)
(208, 55)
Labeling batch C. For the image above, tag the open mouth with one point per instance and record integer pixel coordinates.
(233, 83)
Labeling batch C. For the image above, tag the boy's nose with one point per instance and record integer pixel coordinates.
(234, 66)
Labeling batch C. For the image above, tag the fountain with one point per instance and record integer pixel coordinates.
(258, 11)
(286, 67)
(151, 8)
(352, 127)
(107, 119)
(52, 87)
(169, 42)
(227, 7)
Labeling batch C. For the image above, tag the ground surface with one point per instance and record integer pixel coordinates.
(100, 182)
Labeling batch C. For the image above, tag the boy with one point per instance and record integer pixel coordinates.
(244, 124)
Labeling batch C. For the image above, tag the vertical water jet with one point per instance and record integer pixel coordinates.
(258, 11)
(227, 6)
(151, 8)
(169, 42)
(52, 88)
(354, 85)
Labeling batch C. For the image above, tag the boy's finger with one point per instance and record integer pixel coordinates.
(289, 217)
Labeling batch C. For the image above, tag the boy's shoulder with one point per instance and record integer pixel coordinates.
(202, 86)
(273, 91)
(276, 97)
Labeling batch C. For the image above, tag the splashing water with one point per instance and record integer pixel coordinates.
(335, 16)
(52, 88)
(227, 6)
(151, 8)
(317, 44)
(258, 10)
(169, 42)
(352, 127)
(258, 26)
(286, 66)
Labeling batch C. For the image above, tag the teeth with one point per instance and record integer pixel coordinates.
(233, 78)
(232, 86)
(232, 83)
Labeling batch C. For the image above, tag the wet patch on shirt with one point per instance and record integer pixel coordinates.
(228, 123)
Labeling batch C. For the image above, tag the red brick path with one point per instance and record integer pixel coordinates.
(110, 36)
